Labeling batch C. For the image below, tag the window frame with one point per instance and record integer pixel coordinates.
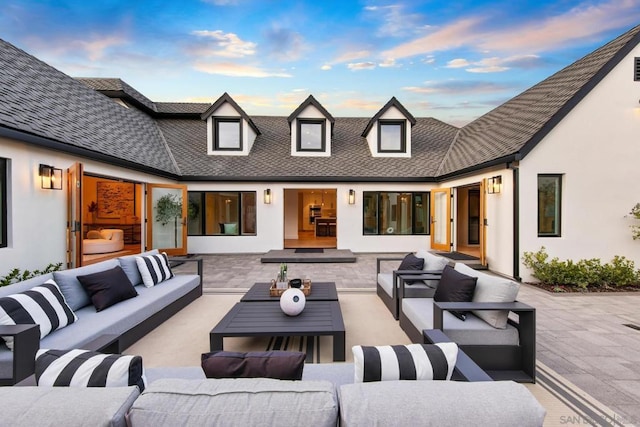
(323, 133)
(239, 195)
(216, 133)
(403, 134)
(4, 178)
(379, 227)
(558, 214)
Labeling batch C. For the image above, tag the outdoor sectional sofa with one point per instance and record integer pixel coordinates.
(111, 330)
(326, 396)
(499, 333)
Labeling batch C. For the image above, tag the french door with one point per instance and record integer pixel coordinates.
(74, 215)
(441, 219)
(167, 218)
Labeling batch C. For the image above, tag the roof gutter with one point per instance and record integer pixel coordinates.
(506, 160)
(312, 179)
(82, 152)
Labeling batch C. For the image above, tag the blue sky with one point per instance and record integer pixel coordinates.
(450, 60)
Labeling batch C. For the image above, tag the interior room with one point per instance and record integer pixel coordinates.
(112, 212)
(310, 218)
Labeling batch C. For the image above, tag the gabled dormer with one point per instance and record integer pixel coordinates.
(230, 131)
(311, 127)
(388, 133)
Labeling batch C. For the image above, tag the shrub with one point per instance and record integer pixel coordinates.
(16, 275)
(582, 274)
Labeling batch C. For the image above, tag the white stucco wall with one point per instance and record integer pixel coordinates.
(597, 148)
(37, 217)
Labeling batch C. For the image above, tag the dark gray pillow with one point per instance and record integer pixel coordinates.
(411, 262)
(108, 287)
(455, 287)
(280, 365)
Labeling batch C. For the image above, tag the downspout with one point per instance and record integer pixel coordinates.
(516, 220)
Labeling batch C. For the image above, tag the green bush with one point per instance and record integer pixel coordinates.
(16, 275)
(582, 274)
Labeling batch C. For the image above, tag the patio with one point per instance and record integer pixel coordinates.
(581, 339)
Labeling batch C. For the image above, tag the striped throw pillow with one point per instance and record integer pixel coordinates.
(83, 368)
(43, 305)
(405, 362)
(154, 269)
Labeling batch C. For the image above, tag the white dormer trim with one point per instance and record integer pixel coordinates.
(310, 115)
(226, 110)
(393, 114)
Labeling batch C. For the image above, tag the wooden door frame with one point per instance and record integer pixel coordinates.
(149, 218)
(446, 247)
(74, 216)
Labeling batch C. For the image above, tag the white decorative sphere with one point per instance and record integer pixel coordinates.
(292, 302)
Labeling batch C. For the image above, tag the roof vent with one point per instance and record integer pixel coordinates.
(636, 70)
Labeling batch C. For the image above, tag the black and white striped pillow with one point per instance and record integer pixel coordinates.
(83, 368)
(405, 362)
(43, 305)
(154, 269)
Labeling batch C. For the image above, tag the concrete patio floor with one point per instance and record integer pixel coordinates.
(583, 337)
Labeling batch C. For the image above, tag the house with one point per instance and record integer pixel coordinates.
(555, 166)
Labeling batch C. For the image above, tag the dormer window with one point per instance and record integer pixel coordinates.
(311, 135)
(391, 136)
(227, 133)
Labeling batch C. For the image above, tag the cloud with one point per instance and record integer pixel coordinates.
(457, 63)
(460, 87)
(488, 65)
(536, 35)
(326, 67)
(361, 66)
(579, 23)
(360, 104)
(351, 56)
(284, 44)
(395, 22)
(388, 63)
(455, 35)
(227, 45)
(236, 70)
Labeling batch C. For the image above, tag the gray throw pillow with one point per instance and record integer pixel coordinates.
(130, 267)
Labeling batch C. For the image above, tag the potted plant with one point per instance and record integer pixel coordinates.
(92, 208)
(169, 209)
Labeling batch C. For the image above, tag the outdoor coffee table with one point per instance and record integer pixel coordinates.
(321, 291)
(265, 318)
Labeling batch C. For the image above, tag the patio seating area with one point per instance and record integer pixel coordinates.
(580, 337)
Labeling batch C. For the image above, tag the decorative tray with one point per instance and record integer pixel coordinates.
(275, 291)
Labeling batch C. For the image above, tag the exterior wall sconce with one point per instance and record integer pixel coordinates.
(267, 196)
(50, 177)
(352, 197)
(494, 184)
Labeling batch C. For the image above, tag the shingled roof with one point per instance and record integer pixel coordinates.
(515, 127)
(45, 106)
(63, 113)
(270, 157)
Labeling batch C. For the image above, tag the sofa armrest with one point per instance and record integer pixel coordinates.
(26, 342)
(197, 260)
(400, 277)
(516, 307)
(382, 259)
(465, 367)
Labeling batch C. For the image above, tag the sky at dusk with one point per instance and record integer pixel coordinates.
(451, 60)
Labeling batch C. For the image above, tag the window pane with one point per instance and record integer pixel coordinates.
(228, 134)
(311, 136)
(370, 206)
(421, 213)
(390, 137)
(549, 205)
(194, 214)
(249, 213)
(395, 213)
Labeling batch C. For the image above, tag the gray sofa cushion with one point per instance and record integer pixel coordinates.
(472, 331)
(439, 403)
(25, 285)
(432, 262)
(236, 402)
(71, 288)
(68, 406)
